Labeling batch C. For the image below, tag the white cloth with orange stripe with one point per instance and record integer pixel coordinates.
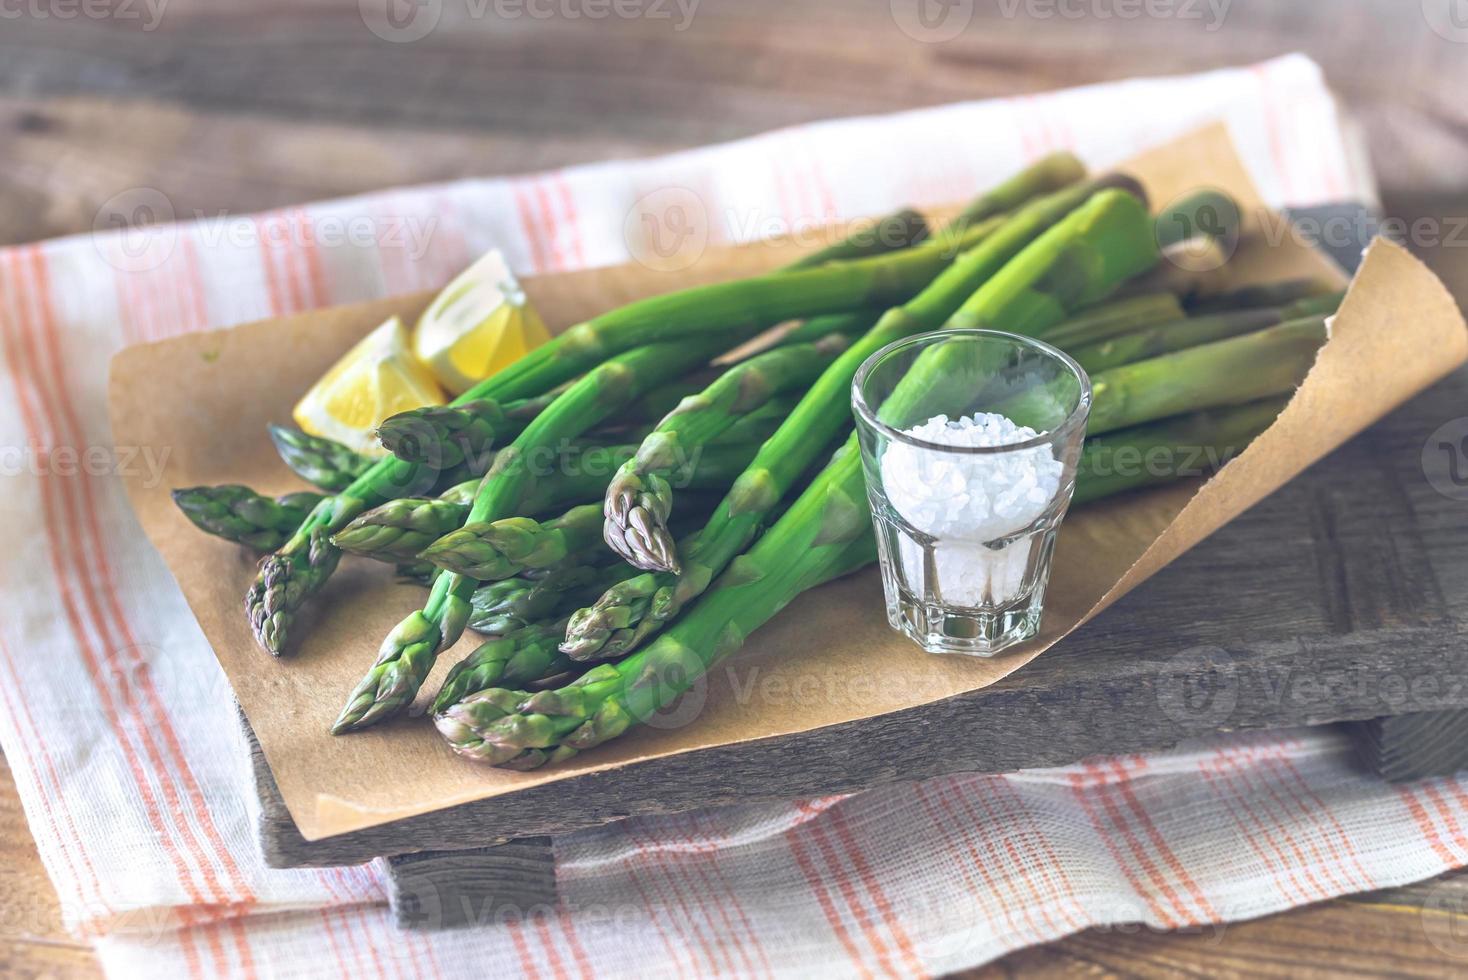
(120, 728)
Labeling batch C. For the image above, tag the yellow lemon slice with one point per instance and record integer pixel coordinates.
(478, 325)
(377, 378)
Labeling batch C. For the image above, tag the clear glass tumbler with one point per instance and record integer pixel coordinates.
(969, 440)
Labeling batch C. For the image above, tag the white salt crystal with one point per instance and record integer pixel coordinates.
(968, 503)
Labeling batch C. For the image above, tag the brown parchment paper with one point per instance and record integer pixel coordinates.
(829, 658)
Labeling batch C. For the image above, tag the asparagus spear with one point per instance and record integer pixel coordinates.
(1280, 293)
(1155, 452)
(1165, 337)
(1226, 372)
(731, 310)
(239, 514)
(321, 462)
(491, 550)
(1115, 317)
(446, 435)
(1206, 213)
(1065, 264)
(639, 499)
(514, 603)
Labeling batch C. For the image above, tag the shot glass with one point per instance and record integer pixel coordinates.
(969, 441)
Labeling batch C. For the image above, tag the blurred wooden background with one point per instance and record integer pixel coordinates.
(240, 105)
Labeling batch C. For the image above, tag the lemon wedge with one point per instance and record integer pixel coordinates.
(377, 378)
(479, 324)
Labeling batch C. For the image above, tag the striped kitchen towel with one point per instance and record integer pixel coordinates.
(134, 775)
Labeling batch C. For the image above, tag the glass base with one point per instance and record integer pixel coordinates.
(971, 632)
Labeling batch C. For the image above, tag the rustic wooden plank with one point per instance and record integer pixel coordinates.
(475, 886)
(740, 66)
(1402, 748)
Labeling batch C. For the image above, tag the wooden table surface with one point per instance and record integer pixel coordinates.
(239, 105)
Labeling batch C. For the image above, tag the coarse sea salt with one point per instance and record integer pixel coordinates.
(968, 505)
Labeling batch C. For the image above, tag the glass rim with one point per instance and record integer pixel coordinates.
(1076, 418)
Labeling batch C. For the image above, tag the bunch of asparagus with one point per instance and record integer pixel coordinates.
(620, 509)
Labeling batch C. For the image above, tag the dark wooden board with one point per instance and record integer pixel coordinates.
(1332, 600)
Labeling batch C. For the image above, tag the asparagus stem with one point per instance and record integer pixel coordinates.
(1226, 372)
(1168, 337)
(1282, 292)
(1157, 452)
(239, 514)
(1115, 317)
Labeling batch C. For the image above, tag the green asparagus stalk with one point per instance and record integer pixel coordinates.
(1325, 304)
(1226, 372)
(1115, 317)
(1158, 452)
(1062, 243)
(1282, 292)
(1203, 214)
(731, 311)
(320, 462)
(1050, 173)
(1166, 337)
(901, 229)
(239, 514)
(639, 499)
